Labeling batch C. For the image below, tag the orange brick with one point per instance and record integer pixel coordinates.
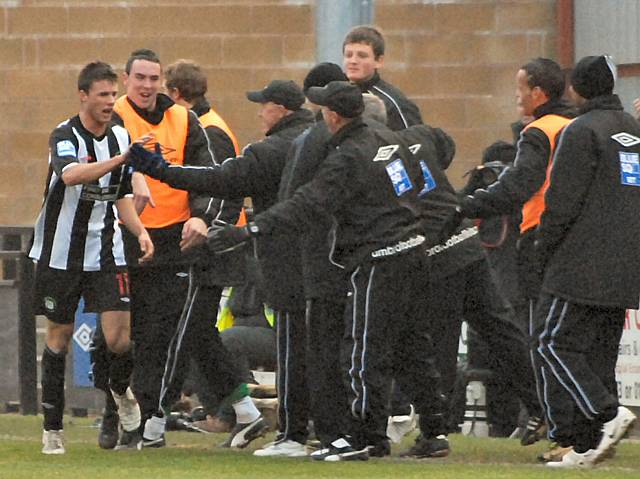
(417, 81)
(467, 17)
(488, 112)
(252, 50)
(262, 76)
(194, 20)
(463, 80)
(395, 50)
(68, 51)
(226, 81)
(36, 20)
(28, 145)
(31, 84)
(205, 51)
(524, 16)
(11, 52)
(490, 49)
(32, 115)
(438, 49)
(282, 19)
(106, 20)
(299, 49)
(443, 112)
(404, 17)
(116, 50)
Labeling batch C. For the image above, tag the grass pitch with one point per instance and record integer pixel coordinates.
(195, 456)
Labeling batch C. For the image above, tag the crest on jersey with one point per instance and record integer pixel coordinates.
(386, 152)
(626, 139)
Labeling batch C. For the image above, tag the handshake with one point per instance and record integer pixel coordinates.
(151, 163)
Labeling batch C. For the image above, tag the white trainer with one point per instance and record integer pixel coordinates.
(576, 460)
(53, 442)
(128, 409)
(613, 431)
(286, 448)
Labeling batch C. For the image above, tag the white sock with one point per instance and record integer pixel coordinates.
(245, 410)
(154, 427)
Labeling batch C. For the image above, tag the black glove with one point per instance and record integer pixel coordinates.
(450, 225)
(222, 237)
(147, 162)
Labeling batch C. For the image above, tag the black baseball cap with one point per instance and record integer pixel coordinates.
(283, 92)
(594, 76)
(340, 96)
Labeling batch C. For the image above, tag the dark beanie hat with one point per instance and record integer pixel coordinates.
(323, 74)
(594, 76)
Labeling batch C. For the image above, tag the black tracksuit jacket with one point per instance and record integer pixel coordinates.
(401, 112)
(588, 235)
(257, 173)
(350, 186)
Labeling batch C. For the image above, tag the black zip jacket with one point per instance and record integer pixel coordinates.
(433, 149)
(256, 173)
(588, 235)
(519, 182)
(322, 279)
(354, 185)
(401, 112)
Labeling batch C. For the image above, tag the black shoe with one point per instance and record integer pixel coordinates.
(108, 436)
(242, 434)
(536, 430)
(380, 449)
(341, 450)
(433, 447)
(129, 440)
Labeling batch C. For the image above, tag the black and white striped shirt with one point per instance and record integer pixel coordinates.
(77, 228)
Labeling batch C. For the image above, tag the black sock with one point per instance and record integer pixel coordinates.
(120, 370)
(53, 366)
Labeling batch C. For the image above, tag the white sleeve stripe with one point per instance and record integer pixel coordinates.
(404, 120)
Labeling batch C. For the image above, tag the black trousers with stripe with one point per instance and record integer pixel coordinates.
(575, 359)
(173, 321)
(386, 338)
(471, 294)
(327, 388)
(291, 380)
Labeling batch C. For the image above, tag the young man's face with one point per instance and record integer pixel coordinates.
(98, 102)
(359, 62)
(143, 83)
(270, 113)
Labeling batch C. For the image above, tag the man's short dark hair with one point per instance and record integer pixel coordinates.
(546, 74)
(188, 78)
(368, 35)
(93, 72)
(141, 54)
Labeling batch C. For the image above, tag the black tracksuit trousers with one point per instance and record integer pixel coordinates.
(386, 338)
(470, 294)
(575, 359)
(168, 330)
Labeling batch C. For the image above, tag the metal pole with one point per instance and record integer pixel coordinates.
(334, 18)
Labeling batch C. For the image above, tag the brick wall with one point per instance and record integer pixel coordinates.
(457, 59)
(242, 44)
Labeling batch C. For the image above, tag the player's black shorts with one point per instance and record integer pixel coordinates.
(57, 292)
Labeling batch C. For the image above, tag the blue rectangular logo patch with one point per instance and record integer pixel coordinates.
(429, 182)
(65, 148)
(399, 177)
(629, 168)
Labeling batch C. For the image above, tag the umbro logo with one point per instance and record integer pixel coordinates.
(415, 148)
(385, 152)
(626, 139)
